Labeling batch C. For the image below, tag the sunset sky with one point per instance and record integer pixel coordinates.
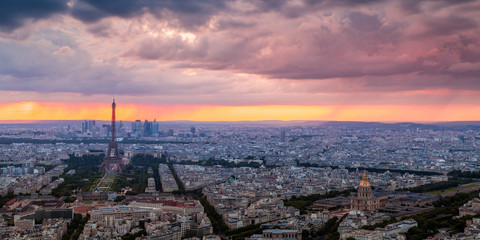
(228, 60)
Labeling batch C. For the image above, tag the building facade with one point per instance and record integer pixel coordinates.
(364, 199)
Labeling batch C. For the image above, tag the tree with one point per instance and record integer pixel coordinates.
(119, 198)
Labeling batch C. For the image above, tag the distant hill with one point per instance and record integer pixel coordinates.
(436, 126)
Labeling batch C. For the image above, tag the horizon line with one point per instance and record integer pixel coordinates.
(19, 121)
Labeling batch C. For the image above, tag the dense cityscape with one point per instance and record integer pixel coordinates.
(250, 180)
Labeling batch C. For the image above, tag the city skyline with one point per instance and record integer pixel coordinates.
(385, 61)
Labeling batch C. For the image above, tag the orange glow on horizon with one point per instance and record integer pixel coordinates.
(129, 112)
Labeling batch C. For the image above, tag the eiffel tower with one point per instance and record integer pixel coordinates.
(112, 162)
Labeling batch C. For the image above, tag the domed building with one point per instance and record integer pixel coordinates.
(364, 199)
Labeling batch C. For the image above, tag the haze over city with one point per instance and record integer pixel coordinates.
(240, 60)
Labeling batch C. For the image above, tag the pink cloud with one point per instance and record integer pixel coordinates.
(248, 52)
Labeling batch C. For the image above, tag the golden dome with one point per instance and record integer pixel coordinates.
(364, 182)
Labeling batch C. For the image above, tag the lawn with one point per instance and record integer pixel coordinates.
(107, 182)
(454, 190)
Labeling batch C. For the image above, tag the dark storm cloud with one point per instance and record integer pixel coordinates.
(348, 69)
(100, 29)
(190, 13)
(14, 13)
(415, 6)
(193, 13)
(33, 68)
(366, 32)
(419, 82)
(364, 22)
(467, 48)
(309, 6)
(448, 25)
(268, 5)
(87, 13)
(340, 2)
(229, 24)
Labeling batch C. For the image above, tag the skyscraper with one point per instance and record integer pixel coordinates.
(137, 127)
(147, 128)
(155, 127)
